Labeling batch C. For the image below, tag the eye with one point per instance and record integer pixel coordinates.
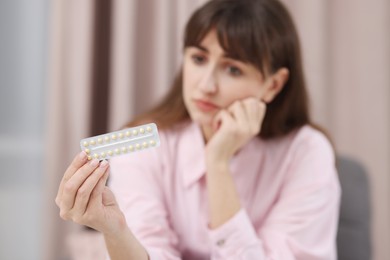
(198, 59)
(234, 71)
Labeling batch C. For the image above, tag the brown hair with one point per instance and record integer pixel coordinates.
(260, 32)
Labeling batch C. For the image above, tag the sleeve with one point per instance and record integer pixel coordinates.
(303, 221)
(136, 182)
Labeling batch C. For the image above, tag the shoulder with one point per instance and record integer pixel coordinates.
(308, 139)
(303, 141)
(311, 157)
(305, 150)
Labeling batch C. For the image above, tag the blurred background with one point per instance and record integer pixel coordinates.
(72, 69)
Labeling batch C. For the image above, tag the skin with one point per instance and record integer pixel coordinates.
(238, 92)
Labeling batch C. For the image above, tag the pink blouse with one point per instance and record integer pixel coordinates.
(288, 188)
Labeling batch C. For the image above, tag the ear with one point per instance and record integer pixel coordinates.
(275, 84)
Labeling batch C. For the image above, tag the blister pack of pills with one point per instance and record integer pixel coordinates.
(121, 142)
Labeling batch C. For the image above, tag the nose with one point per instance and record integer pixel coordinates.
(208, 83)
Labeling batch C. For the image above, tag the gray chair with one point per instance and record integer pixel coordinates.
(353, 236)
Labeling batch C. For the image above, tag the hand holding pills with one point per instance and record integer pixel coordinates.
(82, 195)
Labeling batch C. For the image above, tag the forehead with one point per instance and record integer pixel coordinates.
(211, 42)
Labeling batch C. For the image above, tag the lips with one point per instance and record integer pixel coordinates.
(205, 105)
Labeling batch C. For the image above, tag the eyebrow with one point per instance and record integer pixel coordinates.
(198, 46)
(226, 55)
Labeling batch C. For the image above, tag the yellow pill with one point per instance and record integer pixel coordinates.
(113, 137)
(107, 138)
(152, 142)
(85, 143)
(110, 153)
(117, 151)
(131, 148)
(120, 135)
(103, 154)
(100, 140)
(138, 146)
(135, 132)
(89, 158)
(149, 129)
(87, 151)
(128, 133)
(124, 149)
(92, 142)
(96, 156)
(145, 144)
(141, 130)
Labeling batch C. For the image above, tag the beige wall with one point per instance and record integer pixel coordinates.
(346, 46)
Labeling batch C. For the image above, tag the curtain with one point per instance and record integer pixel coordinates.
(110, 60)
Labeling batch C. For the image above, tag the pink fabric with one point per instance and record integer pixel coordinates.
(288, 188)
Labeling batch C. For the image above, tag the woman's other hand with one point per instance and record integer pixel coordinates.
(234, 127)
(83, 197)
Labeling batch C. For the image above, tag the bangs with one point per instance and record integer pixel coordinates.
(236, 32)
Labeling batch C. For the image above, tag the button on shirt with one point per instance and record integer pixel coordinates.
(288, 189)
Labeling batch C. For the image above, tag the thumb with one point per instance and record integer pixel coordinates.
(108, 198)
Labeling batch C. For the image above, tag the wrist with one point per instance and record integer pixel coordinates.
(117, 236)
(118, 230)
(217, 158)
(217, 166)
(124, 245)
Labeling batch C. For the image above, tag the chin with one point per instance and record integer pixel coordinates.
(202, 119)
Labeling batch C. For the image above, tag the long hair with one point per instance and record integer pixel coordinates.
(260, 32)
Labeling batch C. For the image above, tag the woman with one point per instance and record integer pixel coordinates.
(241, 173)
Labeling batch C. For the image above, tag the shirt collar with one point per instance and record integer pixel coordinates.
(192, 149)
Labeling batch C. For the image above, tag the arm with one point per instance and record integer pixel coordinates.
(231, 233)
(222, 194)
(124, 246)
(301, 225)
(236, 125)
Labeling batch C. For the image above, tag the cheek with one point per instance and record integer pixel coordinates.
(189, 77)
(189, 85)
(186, 81)
(240, 91)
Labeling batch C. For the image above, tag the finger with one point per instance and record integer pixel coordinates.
(252, 109)
(96, 195)
(73, 184)
(256, 111)
(77, 162)
(222, 118)
(84, 192)
(239, 113)
(260, 108)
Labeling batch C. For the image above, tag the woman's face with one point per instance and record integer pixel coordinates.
(212, 80)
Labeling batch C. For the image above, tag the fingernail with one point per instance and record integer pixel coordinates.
(103, 164)
(82, 156)
(94, 162)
